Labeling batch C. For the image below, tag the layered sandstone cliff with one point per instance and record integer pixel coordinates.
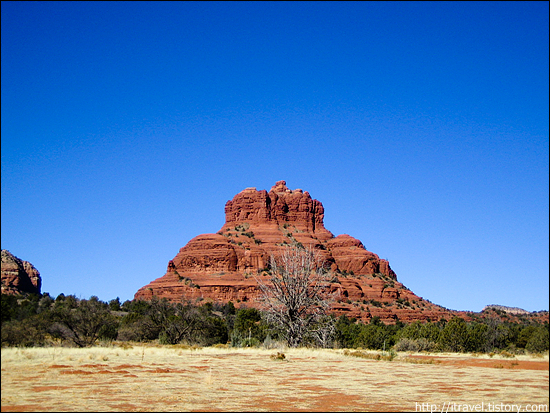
(221, 267)
(18, 276)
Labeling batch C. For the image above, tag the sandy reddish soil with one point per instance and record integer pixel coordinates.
(478, 362)
(172, 379)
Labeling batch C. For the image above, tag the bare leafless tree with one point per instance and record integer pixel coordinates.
(297, 294)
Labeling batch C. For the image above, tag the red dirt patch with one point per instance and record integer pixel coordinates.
(46, 388)
(158, 370)
(128, 366)
(22, 408)
(511, 364)
(76, 372)
(125, 407)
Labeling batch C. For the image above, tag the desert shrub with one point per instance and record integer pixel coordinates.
(250, 342)
(430, 331)
(539, 340)
(270, 342)
(45, 303)
(136, 328)
(213, 330)
(19, 307)
(229, 309)
(237, 340)
(506, 354)
(477, 337)
(421, 344)
(9, 307)
(515, 350)
(415, 360)
(114, 304)
(387, 356)
(524, 335)
(426, 345)
(108, 331)
(362, 354)
(146, 320)
(406, 344)
(346, 331)
(454, 336)
(164, 338)
(30, 332)
(411, 331)
(126, 305)
(127, 334)
(498, 335)
(374, 336)
(183, 324)
(278, 356)
(28, 306)
(80, 321)
(248, 325)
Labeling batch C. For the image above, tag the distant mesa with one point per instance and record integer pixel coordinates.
(510, 310)
(18, 276)
(221, 267)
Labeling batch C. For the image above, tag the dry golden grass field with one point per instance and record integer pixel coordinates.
(175, 378)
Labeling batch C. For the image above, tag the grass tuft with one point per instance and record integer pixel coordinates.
(386, 356)
(278, 356)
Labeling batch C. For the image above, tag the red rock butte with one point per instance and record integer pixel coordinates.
(18, 276)
(221, 267)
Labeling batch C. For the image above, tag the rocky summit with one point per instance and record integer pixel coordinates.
(19, 277)
(221, 267)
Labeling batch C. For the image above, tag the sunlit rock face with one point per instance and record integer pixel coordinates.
(221, 267)
(18, 276)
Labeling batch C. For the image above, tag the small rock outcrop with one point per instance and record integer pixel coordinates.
(18, 276)
(221, 267)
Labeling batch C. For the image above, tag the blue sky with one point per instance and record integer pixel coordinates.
(421, 127)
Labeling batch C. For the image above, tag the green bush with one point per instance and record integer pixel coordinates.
(80, 321)
(29, 332)
(248, 324)
(454, 336)
(415, 345)
(538, 342)
(250, 342)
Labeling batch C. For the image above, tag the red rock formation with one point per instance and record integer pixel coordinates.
(351, 256)
(19, 277)
(221, 267)
(279, 206)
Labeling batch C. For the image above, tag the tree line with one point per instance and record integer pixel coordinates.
(39, 320)
(296, 297)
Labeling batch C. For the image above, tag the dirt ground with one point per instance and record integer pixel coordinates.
(148, 378)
